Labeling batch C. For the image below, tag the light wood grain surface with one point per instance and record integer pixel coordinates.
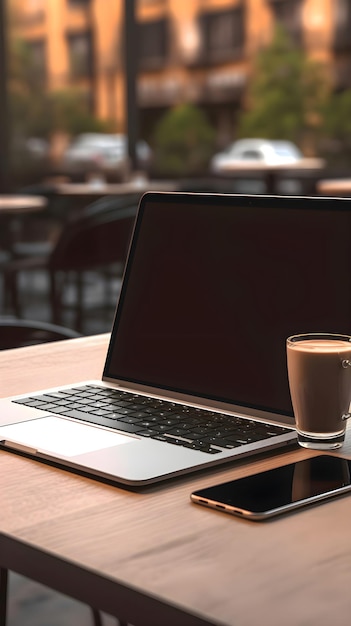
(247, 166)
(11, 204)
(334, 187)
(107, 189)
(153, 557)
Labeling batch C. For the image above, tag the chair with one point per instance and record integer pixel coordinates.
(37, 230)
(96, 239)
(16, 333)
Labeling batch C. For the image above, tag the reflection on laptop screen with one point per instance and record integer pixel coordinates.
(214, 287)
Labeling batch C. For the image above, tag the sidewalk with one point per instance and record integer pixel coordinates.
(31, 604)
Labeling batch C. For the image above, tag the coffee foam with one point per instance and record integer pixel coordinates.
(321, 345)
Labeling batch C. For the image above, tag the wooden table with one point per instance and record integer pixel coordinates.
(15, 204)
(107, 189)
(270, 173)
(152, 557)
(334, 187)
(12, 209)
(77, 196)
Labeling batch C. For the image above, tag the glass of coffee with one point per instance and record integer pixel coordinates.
(319, 371)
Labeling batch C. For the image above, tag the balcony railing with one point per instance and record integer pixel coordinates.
(153, 44)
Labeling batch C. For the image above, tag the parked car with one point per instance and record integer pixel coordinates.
(37, 147)
(264, 151)
(32, 149)
(105, 153)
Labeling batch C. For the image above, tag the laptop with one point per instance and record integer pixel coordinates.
(195, 373)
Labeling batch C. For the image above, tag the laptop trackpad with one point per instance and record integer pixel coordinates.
(59, 436)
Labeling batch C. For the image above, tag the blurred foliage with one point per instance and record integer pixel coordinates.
(289, 97)
(183, 142)
(69, 113)
(286, 94)
(36, 112)
(335, 142)
(28, 99)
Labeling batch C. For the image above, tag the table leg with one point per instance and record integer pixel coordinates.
(96, 617)
(271, 181)
(3, 595)
(97, 621)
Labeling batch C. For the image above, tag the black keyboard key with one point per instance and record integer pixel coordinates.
(148, 433)
(182, 432)
(30, 402)
(59, 409)
(197, 446)
(47, 406)
(221, 443)
(131, 420)
(101, 421)
(113, 415)
(58, 395)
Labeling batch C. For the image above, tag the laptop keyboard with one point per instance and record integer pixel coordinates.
(176, 424)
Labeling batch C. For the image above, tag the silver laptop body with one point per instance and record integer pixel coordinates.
(213, 285)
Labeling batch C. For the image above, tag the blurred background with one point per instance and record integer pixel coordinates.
(200, 74)
(122, 96)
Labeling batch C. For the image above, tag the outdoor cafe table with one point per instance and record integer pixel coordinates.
(108, 189)
(76, 196)
(150, 556)
(17, 204)
(270, 173)
(12, 208)
(334, 187)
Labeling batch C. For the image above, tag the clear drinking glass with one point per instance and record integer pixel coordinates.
(319, 371)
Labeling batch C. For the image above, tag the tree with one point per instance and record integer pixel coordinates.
(70, 114)
(38, 112)
(183, 142)
(285, 95)
(28, 98)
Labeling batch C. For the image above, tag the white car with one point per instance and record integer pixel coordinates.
(104, 153)
(255, 152)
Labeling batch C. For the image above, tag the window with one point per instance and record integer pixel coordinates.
(37, 57)
(289, 14)
(80, 54)
(342, 22)
(153, 46)
(252, 155)
(77, 3)
(223, 35)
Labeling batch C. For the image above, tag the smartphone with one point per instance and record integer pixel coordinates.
(279, 490)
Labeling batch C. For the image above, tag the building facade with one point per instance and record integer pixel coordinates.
(197, 51)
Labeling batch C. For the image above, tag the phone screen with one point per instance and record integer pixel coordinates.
(281, 489)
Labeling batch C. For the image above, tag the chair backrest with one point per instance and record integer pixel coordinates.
(17, 333)
(98, 237)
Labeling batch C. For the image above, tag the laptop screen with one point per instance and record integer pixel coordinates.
(215, 284)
